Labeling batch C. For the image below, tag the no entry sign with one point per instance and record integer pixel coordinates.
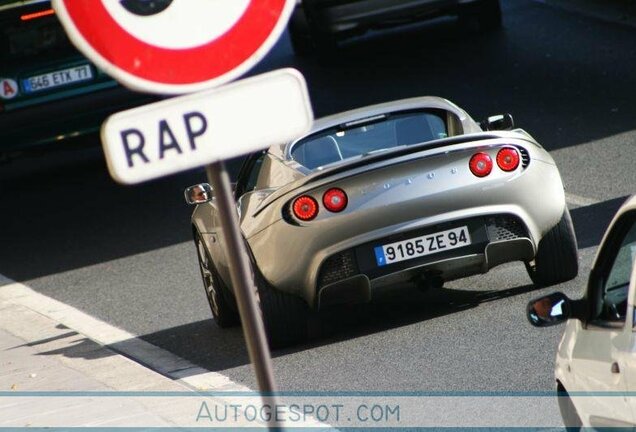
(174, 46)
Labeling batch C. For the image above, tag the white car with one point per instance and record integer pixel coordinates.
(596, 359)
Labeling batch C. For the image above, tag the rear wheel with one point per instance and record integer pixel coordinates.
(286, 317)
(481, 15)
(219, 297)
(557, 258)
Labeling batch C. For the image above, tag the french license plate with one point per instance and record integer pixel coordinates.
(420, 246)
(57, 79)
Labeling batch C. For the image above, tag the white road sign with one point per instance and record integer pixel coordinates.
(194, 130)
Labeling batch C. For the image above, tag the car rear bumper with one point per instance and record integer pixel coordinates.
(57, 120)
(350, 275)
(496, 240)
(358, 288)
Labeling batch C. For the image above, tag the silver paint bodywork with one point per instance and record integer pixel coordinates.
(392, 192)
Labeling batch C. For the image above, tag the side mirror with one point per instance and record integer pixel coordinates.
(550, 310)
(199, 194)
(498, 122)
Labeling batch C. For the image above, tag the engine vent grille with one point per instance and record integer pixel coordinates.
(525, 157)
(502, 228)
(337, 267)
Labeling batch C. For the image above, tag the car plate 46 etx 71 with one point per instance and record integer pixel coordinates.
(420, 246)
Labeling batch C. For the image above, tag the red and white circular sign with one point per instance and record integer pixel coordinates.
(174, 46)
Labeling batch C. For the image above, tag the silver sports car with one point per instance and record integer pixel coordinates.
(413, 191)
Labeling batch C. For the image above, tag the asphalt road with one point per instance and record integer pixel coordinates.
(123, 254)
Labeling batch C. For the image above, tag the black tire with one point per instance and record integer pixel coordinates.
(286, 317)
(220, 299)
(481, 15)
(571, 419)
(557, 258)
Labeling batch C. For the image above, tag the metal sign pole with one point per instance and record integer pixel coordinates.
(243, 283)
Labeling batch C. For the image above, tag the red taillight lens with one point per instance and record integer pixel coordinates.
(508, 159)
(305, 208)
(480, 164)
(335, 200)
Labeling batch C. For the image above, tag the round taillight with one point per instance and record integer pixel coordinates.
(508, 159)
(480, 164)
(335, 200)
(305, 208)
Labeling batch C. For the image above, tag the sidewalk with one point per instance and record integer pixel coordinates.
(61, 368)
(39, 355)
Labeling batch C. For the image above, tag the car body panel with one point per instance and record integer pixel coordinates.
(587, 352)
(584, 365)
(406, 191)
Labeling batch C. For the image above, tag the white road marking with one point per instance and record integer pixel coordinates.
(580, 201)
(117, 339)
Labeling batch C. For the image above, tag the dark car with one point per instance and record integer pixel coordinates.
(317, 25)
(48, 90)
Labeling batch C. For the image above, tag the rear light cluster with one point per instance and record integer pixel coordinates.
(306, 207)
(335, 200)
(481, 164)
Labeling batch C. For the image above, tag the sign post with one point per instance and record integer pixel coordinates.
(175, 47)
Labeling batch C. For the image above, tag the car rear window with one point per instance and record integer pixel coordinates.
(368, 136)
